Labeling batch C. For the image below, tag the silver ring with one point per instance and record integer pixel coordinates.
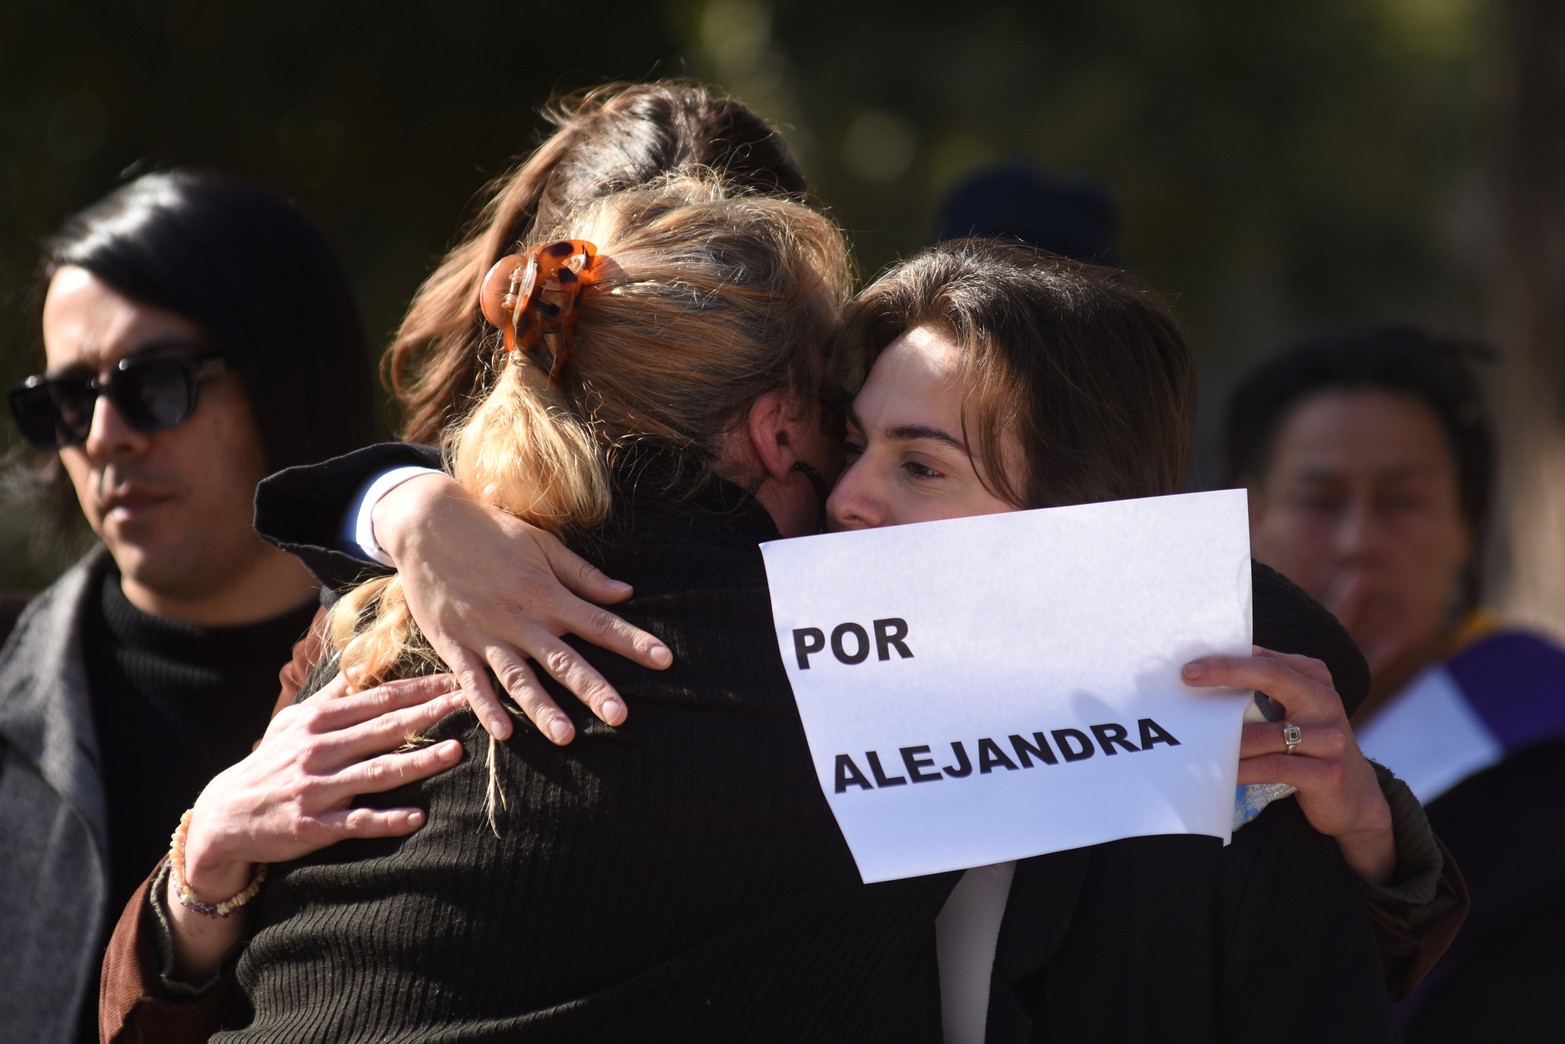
(1292, 736)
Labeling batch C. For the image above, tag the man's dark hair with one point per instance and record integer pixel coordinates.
(258, 277)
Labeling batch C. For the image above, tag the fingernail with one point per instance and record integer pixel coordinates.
(415, 819)
(660, 656)
(613, 712)
(499, 728)
(1193, 671)
(560, 730)
(617, 585)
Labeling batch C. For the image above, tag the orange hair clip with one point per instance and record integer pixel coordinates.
(531, 298)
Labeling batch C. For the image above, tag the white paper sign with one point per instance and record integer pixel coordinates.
(985, 689)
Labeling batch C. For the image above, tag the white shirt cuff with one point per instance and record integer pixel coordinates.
(360, 533)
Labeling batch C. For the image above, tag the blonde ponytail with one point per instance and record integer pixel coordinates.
(525, 451)
(708, 299)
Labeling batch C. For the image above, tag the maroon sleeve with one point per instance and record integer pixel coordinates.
(1413, 937)
(133, 1007)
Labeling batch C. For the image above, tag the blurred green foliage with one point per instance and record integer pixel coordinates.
(1278, 165)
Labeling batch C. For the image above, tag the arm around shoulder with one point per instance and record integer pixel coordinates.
(301, 509)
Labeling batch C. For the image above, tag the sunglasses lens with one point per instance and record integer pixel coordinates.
(52, 415)
(74, 404)
(154, 394)
(151, 394)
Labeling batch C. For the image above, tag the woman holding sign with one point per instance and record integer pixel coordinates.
(1001, 379)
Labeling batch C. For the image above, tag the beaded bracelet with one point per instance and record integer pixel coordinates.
(187, 897)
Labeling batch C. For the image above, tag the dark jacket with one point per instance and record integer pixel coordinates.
(300, 509)
(1178, 938)
(54, 864)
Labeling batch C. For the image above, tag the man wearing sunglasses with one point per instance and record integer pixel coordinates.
(164, 484)
(194, 334)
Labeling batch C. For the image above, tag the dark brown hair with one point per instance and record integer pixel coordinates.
(608, 139)
(1084, 366)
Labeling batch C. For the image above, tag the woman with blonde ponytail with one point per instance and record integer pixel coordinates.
(701, 301)
(658, 363)
(297, 792)
(607, 139)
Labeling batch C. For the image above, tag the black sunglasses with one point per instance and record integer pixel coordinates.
(152, 393)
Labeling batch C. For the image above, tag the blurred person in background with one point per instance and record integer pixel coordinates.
(1071, 215)
(191, 333)
(1370, 457)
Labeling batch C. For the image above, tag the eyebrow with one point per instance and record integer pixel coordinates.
(914, 433)
(1399, 473)
(175, 345)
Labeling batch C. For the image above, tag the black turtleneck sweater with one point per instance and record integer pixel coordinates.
(173, 705)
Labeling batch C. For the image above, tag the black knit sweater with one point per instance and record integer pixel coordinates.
(173, 705)
(678, 878)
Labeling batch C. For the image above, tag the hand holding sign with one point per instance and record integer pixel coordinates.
(1336, 786)
(1018, 661)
